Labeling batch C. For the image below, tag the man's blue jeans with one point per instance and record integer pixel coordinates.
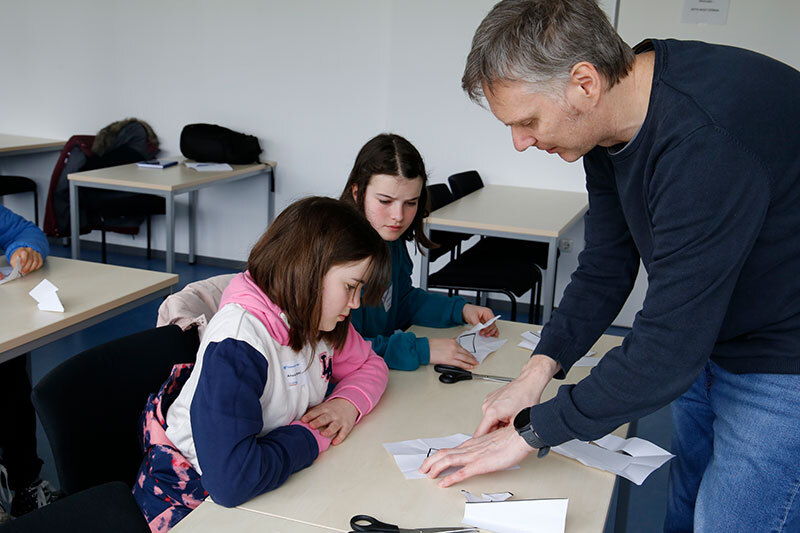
(737, 447)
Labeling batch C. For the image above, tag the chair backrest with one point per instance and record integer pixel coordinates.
(439, 195)
(107, 507)
(464, 183)
(90, 404)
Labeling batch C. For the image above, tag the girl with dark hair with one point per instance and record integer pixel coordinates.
(251, 411)
(387, 184)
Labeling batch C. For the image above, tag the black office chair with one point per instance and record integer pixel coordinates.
(100, 509)
(20, 184)
(439, 195)
(513, 266)
(483, 270)
(117, 211)
(90, 404)
(464, 183)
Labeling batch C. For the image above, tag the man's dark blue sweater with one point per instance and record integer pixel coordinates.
(707, 194)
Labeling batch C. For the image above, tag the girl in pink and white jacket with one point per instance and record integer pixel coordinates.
(253, 409)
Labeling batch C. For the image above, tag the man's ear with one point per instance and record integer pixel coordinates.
(585, 82)
(354, 190)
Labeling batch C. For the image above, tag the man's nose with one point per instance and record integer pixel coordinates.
(522, 139)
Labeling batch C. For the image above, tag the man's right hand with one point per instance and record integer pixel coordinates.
(501, 406)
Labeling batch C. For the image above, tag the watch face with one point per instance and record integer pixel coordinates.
(522, 419)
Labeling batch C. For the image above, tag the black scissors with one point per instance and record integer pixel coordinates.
(453, 374)
(363, 522)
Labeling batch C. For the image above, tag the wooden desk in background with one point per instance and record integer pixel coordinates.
(360, 476)
(167, 183)
(90, 292)
(514, 213)
(19, 144)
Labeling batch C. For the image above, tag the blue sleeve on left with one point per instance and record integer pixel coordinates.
(16, 232)
(226, 419)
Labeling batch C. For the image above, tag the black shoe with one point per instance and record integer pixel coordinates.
(35, 496)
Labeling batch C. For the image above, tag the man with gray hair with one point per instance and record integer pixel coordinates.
(691, 167)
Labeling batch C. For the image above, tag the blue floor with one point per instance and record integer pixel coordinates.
(646, 503)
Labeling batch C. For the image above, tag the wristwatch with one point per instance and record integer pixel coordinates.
(522, 423)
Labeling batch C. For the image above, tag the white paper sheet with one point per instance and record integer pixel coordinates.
(208, 167)
(45, 294)
(486, 497)
(478, 345)
(410, 454)
(518, 516)
(10, 273)
(531, 340)
(632, 458)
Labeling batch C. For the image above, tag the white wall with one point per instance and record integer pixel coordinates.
(313, 80)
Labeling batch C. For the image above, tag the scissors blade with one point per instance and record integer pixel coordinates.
(457, 529)
(499, 379)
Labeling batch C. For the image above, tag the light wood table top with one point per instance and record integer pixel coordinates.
(360, 476)
(513, 210)
(172, 179)
(16, 144)
(88, 291)
(213, 518)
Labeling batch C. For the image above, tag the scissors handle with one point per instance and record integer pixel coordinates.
(364, 522)
(452, 374)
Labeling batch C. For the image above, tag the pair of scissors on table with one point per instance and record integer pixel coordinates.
(363, 522)
(453, 374)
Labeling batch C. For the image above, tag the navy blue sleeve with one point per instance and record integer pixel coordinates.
(16, 232)
(704, 224)
(605, 276)
(226, 418)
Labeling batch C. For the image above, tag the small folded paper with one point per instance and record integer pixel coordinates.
(45, 294)
(531, 340)
(9, 273)
(478, 345)
(632, 458)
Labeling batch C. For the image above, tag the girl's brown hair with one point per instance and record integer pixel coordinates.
(291, 259)
(393, 155)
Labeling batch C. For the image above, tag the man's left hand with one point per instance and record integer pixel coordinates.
(475, 314)
(495, 451)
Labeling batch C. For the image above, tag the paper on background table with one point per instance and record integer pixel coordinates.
(518, 516)
(208, 167)
(9, 273)
(632, 458)
(477, 345)
(531, 340)
(45, 294)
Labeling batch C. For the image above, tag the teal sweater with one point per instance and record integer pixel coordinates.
(403, 306)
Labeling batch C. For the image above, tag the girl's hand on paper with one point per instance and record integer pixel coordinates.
(498, 450)
(334, 419)
(29, 259)
(449, 352)
(475, 314)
